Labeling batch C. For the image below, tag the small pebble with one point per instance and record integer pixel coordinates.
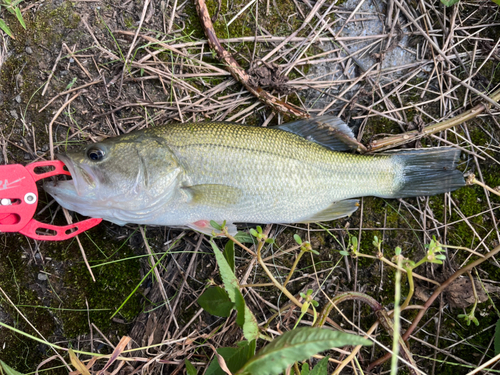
(71, 60)
(45, 148)
(42, 276)
(13, 113)
(28, 50)
(18, 98)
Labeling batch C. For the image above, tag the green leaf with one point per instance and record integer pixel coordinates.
(297, 239)
(229, 254)
(215, 301)
(496, 2)
(70, 85)
(190, 369)
(215, 225)
(297, 345)
(305, 369)
(5, 28)
(497, 338)
(244, 237)
(235, 358)
(344, 253)
(20, 17)
(245, 317)
(449, 3)
(7, 370)
(321, 368)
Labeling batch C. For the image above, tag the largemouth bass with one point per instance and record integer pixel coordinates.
(188, 174)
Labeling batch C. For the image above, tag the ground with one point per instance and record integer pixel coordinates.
(86, 53)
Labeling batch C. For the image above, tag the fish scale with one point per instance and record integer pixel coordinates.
(188, 174)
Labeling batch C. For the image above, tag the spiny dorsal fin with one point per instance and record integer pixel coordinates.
(328, 131)
(335, 211)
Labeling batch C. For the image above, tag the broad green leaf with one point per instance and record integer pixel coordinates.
(497, 338)
(190, 369)
(215, 301)
(229, 254)
(5, 28)
(235, 358)
(449, 3)
(305, 369)
(244, 237)
(215, 225)
(496, 2)
(7, 370)
(321, 368)
(297, 345)
(20, 17)
(245, 317)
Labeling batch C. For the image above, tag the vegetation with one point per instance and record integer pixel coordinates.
(170, 299)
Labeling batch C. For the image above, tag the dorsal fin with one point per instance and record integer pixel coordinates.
(328, 131)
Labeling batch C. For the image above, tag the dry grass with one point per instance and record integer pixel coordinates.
(141, 78)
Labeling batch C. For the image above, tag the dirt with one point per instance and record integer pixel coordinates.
(46, 288)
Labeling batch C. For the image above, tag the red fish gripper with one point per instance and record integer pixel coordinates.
(19, 200)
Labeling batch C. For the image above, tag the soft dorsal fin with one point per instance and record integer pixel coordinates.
(335, 211)
(328, 131)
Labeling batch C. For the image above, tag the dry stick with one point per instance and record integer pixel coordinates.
(52, 73)
(401, 139)
(240, 75)
(432, 298)
(132, 45)
(154, 261)
(82, 250)
(238, 72)
(69, 91)
(472, 180)
(51, 142)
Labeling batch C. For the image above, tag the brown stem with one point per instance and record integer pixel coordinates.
(432, 298)
(381, 314)
(238, 72)
(400, 139)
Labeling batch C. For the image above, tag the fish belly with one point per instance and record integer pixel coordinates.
(277, 176)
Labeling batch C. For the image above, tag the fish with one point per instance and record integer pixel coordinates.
(187, 175)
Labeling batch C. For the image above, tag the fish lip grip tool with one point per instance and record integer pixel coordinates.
(19, 200)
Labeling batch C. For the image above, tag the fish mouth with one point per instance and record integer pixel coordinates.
(81, 176)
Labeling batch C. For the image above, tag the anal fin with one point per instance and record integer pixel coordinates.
(335, 211)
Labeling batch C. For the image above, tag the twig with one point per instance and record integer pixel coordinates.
(471, 180)
(238, 72)
(52, 73)
(401, 139)
(51, 141)
(433, 297)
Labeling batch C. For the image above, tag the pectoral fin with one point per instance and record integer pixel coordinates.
(213, 195)
(335, 211)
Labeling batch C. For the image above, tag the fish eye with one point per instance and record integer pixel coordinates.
(95, 154)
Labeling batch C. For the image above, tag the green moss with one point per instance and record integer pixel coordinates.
(67, 306)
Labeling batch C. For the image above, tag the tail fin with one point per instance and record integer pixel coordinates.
(428, 171)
